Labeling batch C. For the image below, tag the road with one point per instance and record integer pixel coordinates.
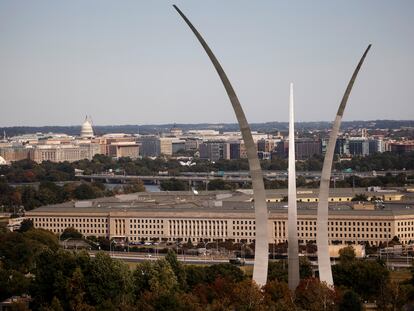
(187, 259)
(241, 176)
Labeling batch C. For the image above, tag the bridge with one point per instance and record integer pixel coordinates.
(236, 177)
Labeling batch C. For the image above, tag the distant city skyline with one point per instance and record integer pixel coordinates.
(136, 63)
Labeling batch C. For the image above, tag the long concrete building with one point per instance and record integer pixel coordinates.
(180, 216)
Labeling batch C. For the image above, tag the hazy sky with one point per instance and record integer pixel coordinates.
(137, 62)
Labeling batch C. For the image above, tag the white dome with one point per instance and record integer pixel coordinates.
(2, 161)
(86, 130)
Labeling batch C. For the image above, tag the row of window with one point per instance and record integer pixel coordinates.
(70, 220)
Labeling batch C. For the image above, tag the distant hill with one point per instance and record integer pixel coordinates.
(159, 128)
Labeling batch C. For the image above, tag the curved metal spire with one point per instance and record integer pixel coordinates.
(324, 263)
(259, 195)
(293, 248)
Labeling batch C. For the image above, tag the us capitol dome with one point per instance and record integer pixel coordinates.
(86, 130)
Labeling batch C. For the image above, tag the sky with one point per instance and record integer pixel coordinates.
(137, 62)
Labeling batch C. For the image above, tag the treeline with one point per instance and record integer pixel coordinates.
(389, 180)
(29, 171)
(33, 263)
(47, 192)
(379, 161)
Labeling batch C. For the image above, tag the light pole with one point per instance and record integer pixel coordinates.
(110, 247)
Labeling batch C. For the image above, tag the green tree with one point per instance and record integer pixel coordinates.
(76, 292)
(84, 192)
(178, 269)
(350, 302)
(26, 225)
(161, 280)
(347, 254)
(71, 233)
(13, 283)
(16, 252)
(173, 184)
(134, 186)
(360, 197)
(305, 268)
(224, 270)
(194, 275)
(107, 279)
(367, 278)
(277, 270)
(220, 184)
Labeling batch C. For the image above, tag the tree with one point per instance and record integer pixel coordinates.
(305, 268)
(178, 269)
(360, 197)
(350, 302)
(107, 280)
(71, 233)
(312, 295)
(55, 305)
(367, 278)
(173, 184)
(26, 225)
(84, 192)
(347, 254)
(246, 296)
(277, 270)
(134, 186)
(12, 283)
(16, 252)
(225, 271)
(157, 277)
(220, 184)
(76, 292)
(194, 275)
(278, 296)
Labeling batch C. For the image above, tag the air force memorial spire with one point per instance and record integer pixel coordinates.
(262, 246)
(324, 263)
(293, 250)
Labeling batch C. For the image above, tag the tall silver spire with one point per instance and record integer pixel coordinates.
(259, 195)
(293, 249)
(324, 262)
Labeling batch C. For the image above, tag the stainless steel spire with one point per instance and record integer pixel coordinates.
(259, 195)
(293, 249)
(324, 263)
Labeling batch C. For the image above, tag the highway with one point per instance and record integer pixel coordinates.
(241, 176)
(187, 259)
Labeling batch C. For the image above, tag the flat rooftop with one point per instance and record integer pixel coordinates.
(215, 202)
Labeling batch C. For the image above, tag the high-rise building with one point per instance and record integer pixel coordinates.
(215, 151)
(13, 153)
(123, 150)
(166, 146)
(150, 146)
(342, 147)
(61, 153)
(358, 146)
(177, 145)
(234, 148)
(306, 148)
(402, 147)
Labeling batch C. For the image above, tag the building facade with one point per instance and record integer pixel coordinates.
(228, 219)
